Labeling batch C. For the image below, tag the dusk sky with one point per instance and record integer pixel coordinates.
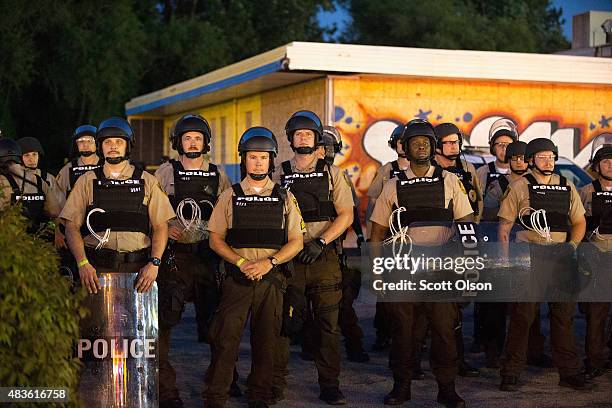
(570, 8)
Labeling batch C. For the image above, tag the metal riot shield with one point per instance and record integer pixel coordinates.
(118, 345)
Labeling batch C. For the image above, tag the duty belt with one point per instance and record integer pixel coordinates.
(109, 258)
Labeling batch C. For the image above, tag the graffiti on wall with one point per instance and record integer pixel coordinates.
(366, 123)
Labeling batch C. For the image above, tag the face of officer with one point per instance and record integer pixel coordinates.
(114, 148)
(30, 160)
(450, 147)
(257, 164)
(500, 145)
(303, 138)
(518, 164)
(192, 143)
(86, 145)
(419, 149)
(544, 162)
(605, 168)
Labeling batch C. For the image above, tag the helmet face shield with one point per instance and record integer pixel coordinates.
(601, 141)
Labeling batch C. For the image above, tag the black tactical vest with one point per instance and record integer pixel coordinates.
(601, 208)
(33, 203)
(122, 201)
(423, 198)
(503, 183)
(77, 171)
(492, 174)
(200, 185)
(258, 221)
(466, 179)
(311, 191)
(554, 199)
(395, 169)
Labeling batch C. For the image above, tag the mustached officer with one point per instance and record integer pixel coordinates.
(257, 229)
(597, 200)
(384, 173)
(193, 185)
(429, 195)
(324, 195)
(18, 186)
(563, 211)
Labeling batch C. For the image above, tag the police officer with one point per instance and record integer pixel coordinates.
(597, 200)
(448, 147)
(562, 208)
(426, 199)
(493, 319)
(20, 186)
(132, 202)
(383, 174)
(32, 153)
(193, 185)
(324, 196)
(351, 277)
(501, 134)
(257, 229)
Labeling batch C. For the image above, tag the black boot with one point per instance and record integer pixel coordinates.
(417, 372)
(357, 356)
(509, 383)
(171, 403)
(448, 397)
(577, 382)
(332, 396)
(466, 370)
(382, 343)
(399, 394)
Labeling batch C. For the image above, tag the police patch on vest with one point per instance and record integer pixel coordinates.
(133, 182)
(419, 180)
(549, 187)
(29, 197)
(197, 173)
(85, 168)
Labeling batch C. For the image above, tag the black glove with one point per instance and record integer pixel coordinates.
(311, 252)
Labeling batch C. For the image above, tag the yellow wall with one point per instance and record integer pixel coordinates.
(366, 109)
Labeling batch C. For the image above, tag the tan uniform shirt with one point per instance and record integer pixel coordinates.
(380, 179)
(341, 196)
(221, 219)
(517, 198)
(603, 241)
(155, 199)
(53, 186)
(63, 177)
(52, 206)
(483, 172)
(428, 235)
(198, 231)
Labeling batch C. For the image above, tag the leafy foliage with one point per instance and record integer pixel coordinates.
(38, 313)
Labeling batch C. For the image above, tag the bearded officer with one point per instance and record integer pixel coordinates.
(597, 200)
(193, 185)
(426, 199)
(563, 209)
(257, 229)
(324, 196)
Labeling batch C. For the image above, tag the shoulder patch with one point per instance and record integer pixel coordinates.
(472, 196)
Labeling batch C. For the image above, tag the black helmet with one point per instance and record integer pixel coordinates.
(396, 135)
(304, 119)
(541, 144)
(115, 127)
(601, 149)
(9, 151)
(331, 137)
(190, 123)
(515, 149)
(502, 127)
(83, 130)
(258, 139)
(445, 129)
(419, 127)
(30, 144)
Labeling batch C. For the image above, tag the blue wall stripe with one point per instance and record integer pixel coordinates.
(215, 86)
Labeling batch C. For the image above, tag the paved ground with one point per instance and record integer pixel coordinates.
(365, 384)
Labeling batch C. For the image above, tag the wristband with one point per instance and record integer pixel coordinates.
(574, 245)
(83, 262)
(240, 262)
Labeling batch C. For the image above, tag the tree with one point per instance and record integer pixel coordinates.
(497, 25)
